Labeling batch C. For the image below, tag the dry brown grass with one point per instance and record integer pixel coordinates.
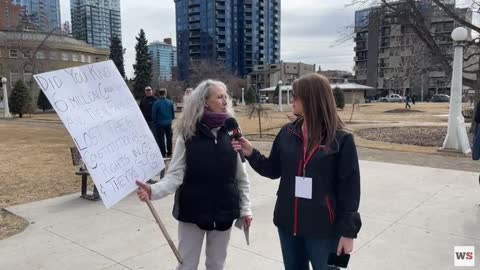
(38, 163)
(376, 112)
(10, 224)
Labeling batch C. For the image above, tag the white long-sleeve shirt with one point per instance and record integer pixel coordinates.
(176, 171)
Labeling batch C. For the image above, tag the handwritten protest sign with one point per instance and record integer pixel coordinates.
(106, 124)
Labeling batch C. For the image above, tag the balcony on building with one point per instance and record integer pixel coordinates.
(195, 51)
(194, 26)
(193, 3)
(194, 42)
(194, 10)
(194, 18)
(194, 34)
(219, 6)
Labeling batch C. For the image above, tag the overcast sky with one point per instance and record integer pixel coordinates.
(309, 29)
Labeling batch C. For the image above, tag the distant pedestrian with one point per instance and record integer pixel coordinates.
(413, 99)
(146, 105)
(163, 113)
(476, 136)
(407, 102)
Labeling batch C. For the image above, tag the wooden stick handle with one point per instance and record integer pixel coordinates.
(164, 231)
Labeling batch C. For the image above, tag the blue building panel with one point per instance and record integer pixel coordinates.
(233, 35)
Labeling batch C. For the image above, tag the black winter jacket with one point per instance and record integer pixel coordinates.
(146, 107)
(334, 169)
(209, 196)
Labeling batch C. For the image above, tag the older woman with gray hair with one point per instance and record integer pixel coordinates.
(208, 177)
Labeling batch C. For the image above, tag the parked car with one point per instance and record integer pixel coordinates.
(392, 98)
(440, 98)
(263, 99)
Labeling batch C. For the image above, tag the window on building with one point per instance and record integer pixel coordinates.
(27, 54)
(89, 59)
(13, 53)
(65, 56)
(74, 57)
(40, 55)
(82, 58)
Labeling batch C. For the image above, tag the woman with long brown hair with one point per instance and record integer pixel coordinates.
(315, 157)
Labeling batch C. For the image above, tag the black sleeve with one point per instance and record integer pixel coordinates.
(348, 189)
(267, 167)
(477, 113)
(142, 107)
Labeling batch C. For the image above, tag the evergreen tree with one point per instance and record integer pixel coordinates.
(19, 99)
(43, 102)
(142, 66)
(250, 96)
(339, 97)
(116, 54)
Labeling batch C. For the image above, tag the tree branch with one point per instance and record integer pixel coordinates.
(454, 16)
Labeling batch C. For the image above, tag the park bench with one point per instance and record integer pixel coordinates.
(83, 172)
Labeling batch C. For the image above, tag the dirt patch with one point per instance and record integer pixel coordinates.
(421, 136)
(404, 111)
(11, 224)
(264, 138)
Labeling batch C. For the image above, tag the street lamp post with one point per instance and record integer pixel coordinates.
(457, 139)
(280, 105)
(6, 109)
(243, 96)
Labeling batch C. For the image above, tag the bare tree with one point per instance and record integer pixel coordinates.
(203, 70)
(256, 110)
(31, 54)
(411, 15)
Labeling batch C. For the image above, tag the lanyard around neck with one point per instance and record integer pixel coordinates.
(307, 158)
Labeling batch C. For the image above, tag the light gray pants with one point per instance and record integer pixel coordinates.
(190, 241)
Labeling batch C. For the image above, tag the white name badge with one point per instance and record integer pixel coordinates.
(303, 187)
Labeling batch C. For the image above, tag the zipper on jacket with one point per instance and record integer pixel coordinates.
(330, 210)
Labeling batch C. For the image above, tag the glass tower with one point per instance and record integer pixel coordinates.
(96, 22)
(233, 35)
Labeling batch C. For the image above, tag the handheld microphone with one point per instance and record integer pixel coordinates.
(233, 130)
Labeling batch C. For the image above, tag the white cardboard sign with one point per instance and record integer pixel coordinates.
(106, 124)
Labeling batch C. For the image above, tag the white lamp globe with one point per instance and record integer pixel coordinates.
(459, 34)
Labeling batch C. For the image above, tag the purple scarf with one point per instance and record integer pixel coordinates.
(214, 119)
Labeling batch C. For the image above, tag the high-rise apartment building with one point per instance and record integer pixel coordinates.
(233, 35)
(391, 57)
(9, 15)
(164, 59)
(43, 14)
(96, 22)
